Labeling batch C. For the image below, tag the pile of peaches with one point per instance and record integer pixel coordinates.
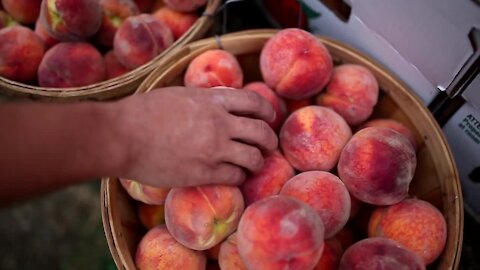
(74, 43)
(335, 195)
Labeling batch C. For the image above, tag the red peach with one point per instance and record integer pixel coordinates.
(151, 215)
(280, 232)
(140, 39)
(416, 224)
(214, 68)
(159, 250)
(113, 67)
(393, 124)
(115, 12)
(269, 180)
(203, 216)
(185, 5)
(23, 11)
(21, 52)
(296, 64)
(178, 22)
(313, 137)
(144, 193)
(325, 193)
(228, 257)
(331, 255)
(47, 38)
(377, 166)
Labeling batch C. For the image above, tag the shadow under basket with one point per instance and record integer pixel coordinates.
(115, 87)
(436, 179)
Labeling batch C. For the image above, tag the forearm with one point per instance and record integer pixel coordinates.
(47, 146)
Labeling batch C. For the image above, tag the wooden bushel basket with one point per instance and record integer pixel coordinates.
(436, 179)
(119, 86)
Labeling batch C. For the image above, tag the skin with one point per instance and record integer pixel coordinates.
(170, 137)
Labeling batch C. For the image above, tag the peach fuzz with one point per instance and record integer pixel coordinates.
(296, 64)
(416, 224)
(203, 216)
(269, 180)
(377, 166)
(21, 52)
(71, 64)
(140, 39)
(151, 215)
(379, 253)
(71, 20)
(228, 257)
(214, 68)
(393, 124)
(185, 5)
(277, 102)
(331, 255)
(143, 193)
(115, 12)
(352, 92)
(22, 11)
(46, 37)
(159, 250)
(280, 232)
(178, 22)
(113, 67)
(313, 137)
(325, 193)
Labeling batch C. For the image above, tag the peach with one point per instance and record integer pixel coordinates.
(269, 180)
(145, 5)
(325, 193)
(416, 224)
(379, 254)
(151, 215)
(47, 38)
(140, 39)
(71, 64)
(143, 193)
(278, 103)
(393, 124)
(352, 92)
(203, 216)
(377, 166)
(313, 137)
(159, 250)
(21, 52)
(296, 64)
(71, 20)
(214, 68)
(228, 257)
(280, 232)
(185, 5)
(113, 67)
(23, 11)
(331, 255)
(178, 22)
(115, 12)
(293, 105)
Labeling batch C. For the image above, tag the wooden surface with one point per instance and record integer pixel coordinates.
(436, 179)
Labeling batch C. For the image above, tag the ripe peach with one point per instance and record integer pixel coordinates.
(21, 52)
(416, 224)
(178, 22)
(312, 138)
(379, 254)
(228, 257)
(331, 255)
(201, 217)
(113, 67)
(269, 180)
(144, 193)
(115, 12)
(185, 5)
(277, 102)
(71, 20)
(296, 64)
(393, 124)
(71, 64)
(159, 250)
(23, 11)
(140, 39)
(325, 193)
(280, 232)
(151, 215)
(214, 68)
(352, 92)
(377, 165)
(47, 38)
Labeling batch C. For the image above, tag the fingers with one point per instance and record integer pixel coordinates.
(243, 155)
(254, 132)
(242, 102)
(229, 174)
